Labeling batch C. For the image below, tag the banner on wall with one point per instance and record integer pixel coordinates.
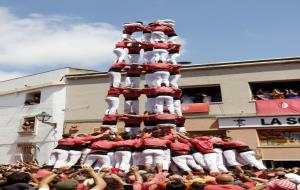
(195, 108)
(277, 106)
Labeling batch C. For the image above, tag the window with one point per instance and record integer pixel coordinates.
(204, 94)
(25, 152)
(279, 137)
(28, 126)
(275, 90)
(32, 98)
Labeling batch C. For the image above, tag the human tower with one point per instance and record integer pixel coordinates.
(154, 56)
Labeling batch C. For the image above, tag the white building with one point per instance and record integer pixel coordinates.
(22, 135)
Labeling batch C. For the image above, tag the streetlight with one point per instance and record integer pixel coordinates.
(44, 117)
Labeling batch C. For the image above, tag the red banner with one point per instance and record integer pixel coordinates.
(277, 106)
(195, 108)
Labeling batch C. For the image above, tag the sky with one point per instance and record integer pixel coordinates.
(37, 36)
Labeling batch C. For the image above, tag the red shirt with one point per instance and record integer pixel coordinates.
(164, 91)
(102, 144)
(147, 46)
(161, 45)
(66, 141)
(203, 146)
(235, 144)
(117, 67)
(133, 47)
(177, 94)
(174, 48)
(132, 94)
(111, 117)
(114, 91)
(163, 116)
(159, 67)
(180, 120)
(81, 141)
(130, 29)
(127, 143)
(175, 70)
(149, 92)
(181, 145)
(134, 70)
(152, 142)
(133, 121)
(121, 44)
(167, 30)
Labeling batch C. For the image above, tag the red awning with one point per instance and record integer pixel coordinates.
(195, 108)
(277, 106)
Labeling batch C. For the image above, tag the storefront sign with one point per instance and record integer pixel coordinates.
(267, 121)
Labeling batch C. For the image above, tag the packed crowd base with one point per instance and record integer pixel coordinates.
(29, 176)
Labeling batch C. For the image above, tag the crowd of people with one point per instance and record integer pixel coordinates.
(276, 93)
(30, 176)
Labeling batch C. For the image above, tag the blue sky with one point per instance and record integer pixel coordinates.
(213, 31)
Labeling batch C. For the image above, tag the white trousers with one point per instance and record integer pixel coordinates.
(199, 158)
(172, 58)
(167, 159)
(58, 158)
(111, 156)
(133, 131)
(115, 78)
(231, 157)
(149, 77)
(160, 101)
(113, 105)
(220, 160)
(148, 56)
(249, 158)
(153, 156)
(158, 36)
(174, 80)
(177, 107)
(161, 77)
(147, 37)
(121, 54)
(131, 106)
(85, 152)
(160, 55)
(102, 161)
(181, 129)
(138, 159)
(133, 58)
(186, 162)
(211, 161)
(132, 82)
(150, 105)
(122, 159)
(74, 156)
(173, 39)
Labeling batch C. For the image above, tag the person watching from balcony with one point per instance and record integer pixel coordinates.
(277, 94)
(263, 94)
(206, 98)
(291, 94)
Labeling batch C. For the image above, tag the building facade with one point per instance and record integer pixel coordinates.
(23, 136)
(219, 99)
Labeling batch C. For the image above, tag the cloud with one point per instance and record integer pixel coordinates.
(51, 40)
(4, 75)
